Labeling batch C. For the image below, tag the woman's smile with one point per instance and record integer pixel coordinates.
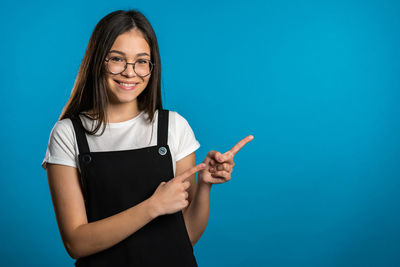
(126, 85)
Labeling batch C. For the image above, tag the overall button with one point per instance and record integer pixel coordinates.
(86, 158)
(162, 150)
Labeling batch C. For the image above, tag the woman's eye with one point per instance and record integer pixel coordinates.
(142, 61)
(116, 59)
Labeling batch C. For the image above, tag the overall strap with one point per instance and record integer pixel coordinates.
(162, 128)
(80, 135)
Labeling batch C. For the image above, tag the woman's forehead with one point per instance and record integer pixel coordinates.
(131, 44)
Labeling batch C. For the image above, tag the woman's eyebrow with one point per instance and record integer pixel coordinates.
(122, 53)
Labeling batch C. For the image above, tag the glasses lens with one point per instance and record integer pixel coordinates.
(143, 67)
(116, 64)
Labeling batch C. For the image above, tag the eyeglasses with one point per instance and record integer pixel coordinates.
(117, 65)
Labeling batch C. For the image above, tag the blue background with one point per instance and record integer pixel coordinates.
(315, 82)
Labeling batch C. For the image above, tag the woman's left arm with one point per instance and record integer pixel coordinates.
(196, 213)
(218, 170)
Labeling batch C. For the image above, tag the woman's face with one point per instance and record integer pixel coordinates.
(130, 46)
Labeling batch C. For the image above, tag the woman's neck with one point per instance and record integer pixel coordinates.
(120, 112)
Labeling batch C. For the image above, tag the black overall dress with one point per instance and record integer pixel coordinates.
(114, 181)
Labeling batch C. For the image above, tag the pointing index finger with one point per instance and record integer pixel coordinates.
(235, 149)
(190, 171)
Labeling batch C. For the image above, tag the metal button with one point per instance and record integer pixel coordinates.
(162, 150)
(86, 158)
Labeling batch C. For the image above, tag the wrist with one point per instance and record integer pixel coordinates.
(201, 183)
(152, 208)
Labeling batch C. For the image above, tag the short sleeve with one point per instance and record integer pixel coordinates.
(61, 148)
(186, 142)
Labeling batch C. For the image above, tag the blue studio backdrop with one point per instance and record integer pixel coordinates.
(315, 82)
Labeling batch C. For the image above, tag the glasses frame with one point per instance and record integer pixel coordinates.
(133, 64)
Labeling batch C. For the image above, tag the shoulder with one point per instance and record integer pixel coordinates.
(63, 128)
(177, 120)
(62, 134)
(179, 125)
(184, 140)
(61, 147)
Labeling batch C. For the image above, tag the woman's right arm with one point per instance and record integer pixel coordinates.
(81, 238)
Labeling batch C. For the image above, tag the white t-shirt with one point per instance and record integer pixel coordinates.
(131, 134)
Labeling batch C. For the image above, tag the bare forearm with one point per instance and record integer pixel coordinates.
(196, 215)
(96, 236)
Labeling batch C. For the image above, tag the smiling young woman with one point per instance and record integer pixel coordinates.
(128, 196)
(125, 87)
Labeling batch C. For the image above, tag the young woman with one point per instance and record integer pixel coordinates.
(121, 169)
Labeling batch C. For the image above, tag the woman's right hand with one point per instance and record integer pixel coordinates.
(171, 196)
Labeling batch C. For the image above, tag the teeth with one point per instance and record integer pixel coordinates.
(128, 84)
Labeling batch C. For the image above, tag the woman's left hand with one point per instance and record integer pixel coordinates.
(220, 166)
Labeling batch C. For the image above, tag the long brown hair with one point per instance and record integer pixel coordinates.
(90, 87)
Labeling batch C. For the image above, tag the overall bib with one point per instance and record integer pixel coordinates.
(113, 181)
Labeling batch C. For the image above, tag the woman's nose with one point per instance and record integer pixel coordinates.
(129, 71)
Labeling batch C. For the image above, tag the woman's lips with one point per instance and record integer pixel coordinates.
(125, 86)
